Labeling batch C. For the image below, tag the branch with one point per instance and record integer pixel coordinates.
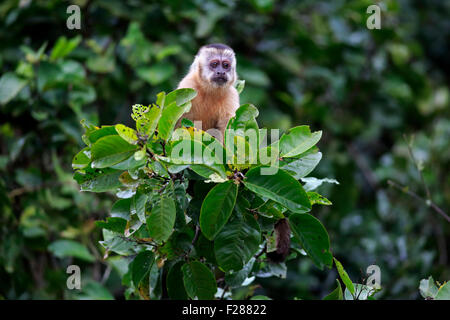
(428, 202)
(411, 154)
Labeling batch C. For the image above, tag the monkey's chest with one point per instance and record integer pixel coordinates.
(209, 111)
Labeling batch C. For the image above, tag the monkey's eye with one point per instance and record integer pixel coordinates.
(225, 65)
(214, 64)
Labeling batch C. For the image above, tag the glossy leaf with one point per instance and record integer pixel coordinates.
(127, 134)
(217, 208)
(141, 266)
(175, 285)
(280, 187)
(236, 243)
(198, 281)
(70, 248)
(313, 237)
(10, 86)
(344, 276)
(161, 219)
(298, 140)
(110, 150)
(336, 294)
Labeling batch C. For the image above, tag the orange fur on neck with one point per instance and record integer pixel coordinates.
(213, 105)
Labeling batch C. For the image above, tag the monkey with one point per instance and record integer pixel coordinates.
(212, 75)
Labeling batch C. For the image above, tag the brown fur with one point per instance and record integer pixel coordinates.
(283, 238)
(214, 105)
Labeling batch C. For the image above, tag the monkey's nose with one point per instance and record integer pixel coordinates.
(220, 73)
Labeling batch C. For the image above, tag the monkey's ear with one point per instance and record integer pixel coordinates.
(283, 241)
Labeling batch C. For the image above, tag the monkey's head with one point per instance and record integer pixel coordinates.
(216, 65)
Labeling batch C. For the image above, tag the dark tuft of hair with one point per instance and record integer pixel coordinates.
(219, 46)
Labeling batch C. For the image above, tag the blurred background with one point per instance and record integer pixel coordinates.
(381, 98)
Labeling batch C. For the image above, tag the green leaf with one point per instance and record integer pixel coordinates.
(137, 205)
(117, 243)
(428, 288)
(129, 164)
(243, 124)
(94, 135)
(69, 248)
(217, 207)
(49, 74)
(155, 282)
(161, 220)
(444, 292)
(362, 292)
(298, 140)
(82, 159)
(186, 123)
(113, 223)
(141, 266)
(313, 237)
(336, 294)
(157, 73)
(204, 248)
(236, 279)
(102, 62)
(110, 150)
(270, 209)
(199, 281)
(260, 297)
(121, 209)
(344, 276)
(316, 198)
(237, 242)
(10, 86)
(127, 134)
(302, 165)
(174, 282)
(240, 85)
(94, 291)
(180, 96)
(280, 187)
(169, 117)
(64, 47)
(99, 181)
(188, 151)
(147, 119)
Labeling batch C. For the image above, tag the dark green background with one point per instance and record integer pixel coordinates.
(304, 62)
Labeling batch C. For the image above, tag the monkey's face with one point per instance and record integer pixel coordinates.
(217, 65)
(219, 70)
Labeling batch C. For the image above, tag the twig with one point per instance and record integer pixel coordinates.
(197, 234)
(262, 251)
(106, 274)
(223, 292)
(417, 167)
(362, 165)
(428, 202)
(194, 240)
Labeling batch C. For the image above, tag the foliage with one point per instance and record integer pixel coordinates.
(431, 290)
(311, 62)
(183, 184)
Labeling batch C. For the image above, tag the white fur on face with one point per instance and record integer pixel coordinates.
(207, 54)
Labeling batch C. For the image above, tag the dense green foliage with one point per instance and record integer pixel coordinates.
(238, 193)
(304, 62)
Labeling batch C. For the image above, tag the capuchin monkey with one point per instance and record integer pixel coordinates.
(212, 75)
